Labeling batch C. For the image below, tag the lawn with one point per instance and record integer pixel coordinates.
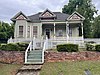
(71, 68)
(8, 69)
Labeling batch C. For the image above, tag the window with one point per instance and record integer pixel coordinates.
(28, 31)
(35, 31)
(60, 33)
(20, 31)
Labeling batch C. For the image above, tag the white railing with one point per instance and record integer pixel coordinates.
(96, 40)
(19, 40)
(29, 47)
(45, 46)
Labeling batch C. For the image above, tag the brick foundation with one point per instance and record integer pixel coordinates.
(12, 57)
(74, 56)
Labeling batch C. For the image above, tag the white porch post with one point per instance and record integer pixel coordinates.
(26, 29)
(67, 31)
(54, 31)
(82, 28)
(30, 31)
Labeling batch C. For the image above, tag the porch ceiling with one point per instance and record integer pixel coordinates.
(74, 24)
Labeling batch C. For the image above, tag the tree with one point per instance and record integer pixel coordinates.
(96, 27)
(85, 8)
(6, 31)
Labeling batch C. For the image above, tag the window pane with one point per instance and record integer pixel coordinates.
(35, 31)
(20, 31)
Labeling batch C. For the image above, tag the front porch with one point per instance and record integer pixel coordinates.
(62, 31)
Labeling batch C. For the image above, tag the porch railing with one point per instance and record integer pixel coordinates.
(26, 52)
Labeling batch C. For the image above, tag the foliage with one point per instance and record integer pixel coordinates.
(90, 47)
(85, 8)
(67, 48)
(6, 31)
(96, 27)
(23, 45)
(97, 48)
(14, 47)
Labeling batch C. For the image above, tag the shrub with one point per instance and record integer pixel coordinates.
(3, 47)
(97, 48)
(14, 47)
(67, 48)
(90, 47)
(23, 45)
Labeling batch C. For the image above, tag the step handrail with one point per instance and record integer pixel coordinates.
(45, 46)
(29, 47)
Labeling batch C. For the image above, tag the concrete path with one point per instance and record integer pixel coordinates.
(29, 70)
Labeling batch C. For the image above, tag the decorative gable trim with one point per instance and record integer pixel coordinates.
(75, 16)
(47, 14)
(20, 16)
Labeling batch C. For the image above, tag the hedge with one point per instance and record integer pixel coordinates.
(67, 48)
(97, 47)
(90, 47)
(14, 47)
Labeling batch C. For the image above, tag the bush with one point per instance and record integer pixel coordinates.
(3, 47)
(14, 47)
(97, 48)
(23, 45)
(67, 48)
(90, 47)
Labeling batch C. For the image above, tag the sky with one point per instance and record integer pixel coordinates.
(9, 8)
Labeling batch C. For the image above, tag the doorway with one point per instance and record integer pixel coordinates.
(47, 32)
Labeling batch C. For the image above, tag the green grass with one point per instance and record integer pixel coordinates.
(71, 68)
(8, 69)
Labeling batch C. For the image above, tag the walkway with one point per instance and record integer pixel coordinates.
(29, 70)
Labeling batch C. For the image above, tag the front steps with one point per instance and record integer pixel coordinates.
(29, 70)
(34, 57)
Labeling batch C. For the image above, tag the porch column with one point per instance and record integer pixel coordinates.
(82, 28)
(54, 31)
(30, 31)
(26, 30)
(67, 31)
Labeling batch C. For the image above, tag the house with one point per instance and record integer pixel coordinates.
(55, 25)
(45, 30)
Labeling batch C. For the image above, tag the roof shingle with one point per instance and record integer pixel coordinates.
(59, 17)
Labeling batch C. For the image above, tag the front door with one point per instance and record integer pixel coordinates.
(48, 33)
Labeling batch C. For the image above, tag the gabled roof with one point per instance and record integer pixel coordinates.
(19, 14)
(46, 14)
(59, 17)
(75, 16)
(53, 16)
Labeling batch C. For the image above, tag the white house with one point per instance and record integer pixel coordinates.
(56, 25)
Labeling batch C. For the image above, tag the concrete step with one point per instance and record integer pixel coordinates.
(34, 56)
(34, 60)
(29, 70)
(28, 73)
(34, 52)
(38, 53)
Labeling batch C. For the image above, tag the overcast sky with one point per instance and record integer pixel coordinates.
(8, 8)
